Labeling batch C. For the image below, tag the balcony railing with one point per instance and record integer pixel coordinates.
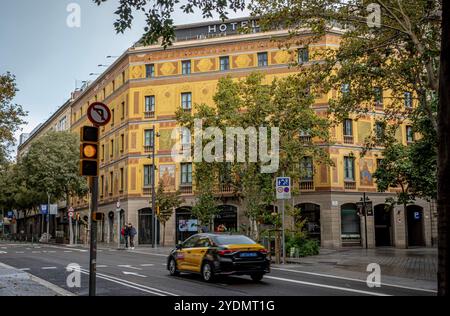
(148, 149)
(307, 185)
(147, 191)
(349, 185)
(224, 188)
(305, 138)
(348, 139)
(187, 110)
(379, 106)
(186, 189)
(149, 114)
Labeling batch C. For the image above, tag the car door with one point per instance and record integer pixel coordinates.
(184, 260)
(198, 253)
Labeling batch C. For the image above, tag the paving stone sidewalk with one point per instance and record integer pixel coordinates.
(14, 282)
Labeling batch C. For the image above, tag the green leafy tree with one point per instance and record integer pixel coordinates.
(11, 114)
(166, 203)
(52, 166)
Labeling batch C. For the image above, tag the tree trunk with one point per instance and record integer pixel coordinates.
(443, 194)
(164, 234)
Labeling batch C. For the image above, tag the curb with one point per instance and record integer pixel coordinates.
(58, 290)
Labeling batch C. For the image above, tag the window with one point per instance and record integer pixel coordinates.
(348, 127)
(379, 162)
(102, 185)
(81, 111)
(409, 134)
(148, 174)
(150, 71)
(113, 85)
(350, 223)
(104, 93)
(307, 169)
(122, 111)
(185, 139)
(349, 168)
(378, 94)
(408, 100)
(224, 63)
(303, 55)
(111, 182)
(379, 130)
(62, 125)
(186, 101)
(225, 173)
(122, 142)
(112, 117)
(123, 77)
(186, 173)
(121, 179)
(111, 150)
(103, 152)
(186, 67)
(262, 60)
(345, 88)
(150, 104)
(149, 136)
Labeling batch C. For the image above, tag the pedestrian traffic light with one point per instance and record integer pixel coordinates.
(89, 151)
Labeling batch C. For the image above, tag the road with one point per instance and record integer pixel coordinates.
(137, 273)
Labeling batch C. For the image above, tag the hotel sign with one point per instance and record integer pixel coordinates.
(215, 29)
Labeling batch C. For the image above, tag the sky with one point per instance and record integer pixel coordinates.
(49, 58)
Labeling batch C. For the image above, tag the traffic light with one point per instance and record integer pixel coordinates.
(89, 151)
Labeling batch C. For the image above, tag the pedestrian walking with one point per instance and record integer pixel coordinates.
(131, 233)
(126, 234)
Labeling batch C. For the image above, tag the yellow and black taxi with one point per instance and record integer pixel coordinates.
(213, 255)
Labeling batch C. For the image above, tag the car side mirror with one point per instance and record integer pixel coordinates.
(179, 246)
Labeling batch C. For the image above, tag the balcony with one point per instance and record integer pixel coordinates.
(349, 185)
(379, 106)
(348, 139)
(147, 191)
(306, 185)
(224, 188)
(186, 189)
(148, 149)
(305, 138)
(150, 114)
(187, 110)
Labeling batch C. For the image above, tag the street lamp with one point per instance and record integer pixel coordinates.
(94, 74)
(112, 56)
(152, 156)
(365, 204)
(101, 65)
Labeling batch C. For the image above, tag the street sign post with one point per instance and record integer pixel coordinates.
(118, 223)
(283, 190)
(100, 115)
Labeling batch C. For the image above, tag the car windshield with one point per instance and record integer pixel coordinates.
(233, 240)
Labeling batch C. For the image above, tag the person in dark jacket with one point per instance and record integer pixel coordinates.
(131, 233)
(126, 234)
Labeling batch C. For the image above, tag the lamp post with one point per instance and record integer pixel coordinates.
(154, 221)
(364, 201)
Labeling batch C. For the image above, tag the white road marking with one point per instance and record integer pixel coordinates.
(67, 250)
(132, 285)
(326, 286)
(147, 265)
(4, 248)
(3, 252)
(35, 252)
(146, 253)
(134, 273)
(25, 269)
(352, 279)
(102, 266)
(48, 268)
(128, 266)
(52, 251)
(20, 251)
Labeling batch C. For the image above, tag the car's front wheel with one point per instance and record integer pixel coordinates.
(257, 276)
(208, 272)
(173, 267)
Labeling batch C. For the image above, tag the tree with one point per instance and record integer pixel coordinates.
(166, 203)
(52, 166)
(11, 115)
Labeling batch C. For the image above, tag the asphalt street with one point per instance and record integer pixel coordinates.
(136, 273)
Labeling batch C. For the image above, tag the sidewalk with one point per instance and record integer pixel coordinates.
(14, 282)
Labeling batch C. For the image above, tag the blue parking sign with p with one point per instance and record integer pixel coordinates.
(44, 209)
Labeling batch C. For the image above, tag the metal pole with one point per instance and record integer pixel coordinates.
(76, 230)
(118, 229)
(153, 190)
(283, 233)
(48, 215)
(93, 246)
(365, 218)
